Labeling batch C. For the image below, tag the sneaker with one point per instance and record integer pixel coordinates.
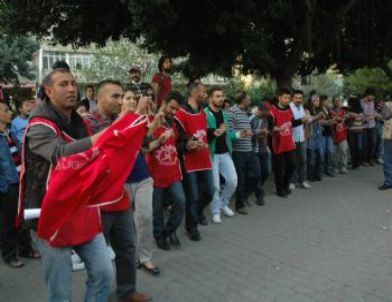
(380, 161)
(77, 263)
(343, 171)
(305, 185)
(292, 186)
(14, 263)
(216, 218)
(227, 211)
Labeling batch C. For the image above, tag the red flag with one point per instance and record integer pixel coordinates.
(92, 178)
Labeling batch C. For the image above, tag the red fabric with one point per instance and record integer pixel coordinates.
(283, 140)
(195, 125)
(82, 182)
(163, 162)
(340, 129)
(165, 86)
(83, 224)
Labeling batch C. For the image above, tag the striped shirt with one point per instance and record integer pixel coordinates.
(239, 120)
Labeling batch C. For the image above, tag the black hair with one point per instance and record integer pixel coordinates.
(47, 81)
(240, 97)
(89, 86)
(212, 89)
(354, 105)
(60, 64)
(19, 103)
(323, 98)
(370, 91)
(283, 90)
(162, 60)
(175, 95)
(298, 91)
(103, 83)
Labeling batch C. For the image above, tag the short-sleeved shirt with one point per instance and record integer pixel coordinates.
(164, 86)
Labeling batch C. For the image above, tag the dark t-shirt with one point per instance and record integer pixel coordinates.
(220, 144)
(165, 85)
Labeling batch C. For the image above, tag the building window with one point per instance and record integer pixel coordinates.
(74, 60)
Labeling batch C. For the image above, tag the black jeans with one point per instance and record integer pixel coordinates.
(119, 230)
(355, 140)
(248, 173)
(264, 163)
(369, 143)
(12, 240)
(285, 165)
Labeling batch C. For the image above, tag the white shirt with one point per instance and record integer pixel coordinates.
(299, 113)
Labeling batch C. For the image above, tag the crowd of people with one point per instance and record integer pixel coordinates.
(198, 151)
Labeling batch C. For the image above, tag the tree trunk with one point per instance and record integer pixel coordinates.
(283, 80)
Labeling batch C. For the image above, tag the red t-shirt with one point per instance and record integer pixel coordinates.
(282, 141)
(164, 86)
(163, 163)
(340, 129)
(195, 125)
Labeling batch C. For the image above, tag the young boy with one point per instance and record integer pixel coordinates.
(340, 136)
(283, 145)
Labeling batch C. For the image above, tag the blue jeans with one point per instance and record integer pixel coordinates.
(327, 154)
(313, 164)
(176, 196)
(223, 165)
(388, 162)
(199, 190)
(58, 270)
(380, 141)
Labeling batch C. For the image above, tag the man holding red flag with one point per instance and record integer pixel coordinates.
(56, 131)
(118, 224)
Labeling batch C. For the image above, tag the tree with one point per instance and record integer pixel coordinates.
(279, 38)
(16, 54)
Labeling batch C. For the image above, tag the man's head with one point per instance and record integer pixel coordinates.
(226, 104)
(173, 101)
(135, 74)
(5, 114)
(61, 89)
(243, 100)
(24, 107)
(283, 95)
(336, 102)
(90, 92)
(165, 63)
(370, 94)
(196, 91)
(297, 97)
(109, 97)
(324, 101)
(216, 96)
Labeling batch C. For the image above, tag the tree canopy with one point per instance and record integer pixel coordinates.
(279, 38)
(16, 55)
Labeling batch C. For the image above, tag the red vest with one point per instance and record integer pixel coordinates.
(83, 224)
(195, 125)
(340, 129)
(163, 162)
(283, 140)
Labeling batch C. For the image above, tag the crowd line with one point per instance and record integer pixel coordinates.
(164, 156)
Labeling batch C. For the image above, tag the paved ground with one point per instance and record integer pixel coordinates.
(331, 243)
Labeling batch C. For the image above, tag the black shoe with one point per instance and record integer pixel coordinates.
(384, 187)
(288, 191)
(174, 241)
(242, 210)
(260, 201)
(155, 271)
(246, 201)
(14, 263)
(203, 220)
(194, 235)
(330, 174)
(282, 194)
(163, 244)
